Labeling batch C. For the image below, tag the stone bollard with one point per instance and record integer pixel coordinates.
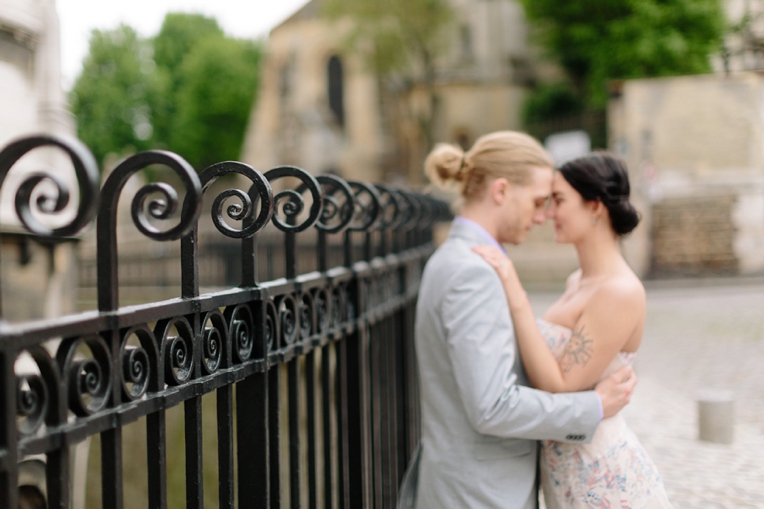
(716, 416)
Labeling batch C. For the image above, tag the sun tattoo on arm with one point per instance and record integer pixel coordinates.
(577, 352)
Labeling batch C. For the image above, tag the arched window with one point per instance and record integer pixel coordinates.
(463, 137)
(465, 33)
(335, 89)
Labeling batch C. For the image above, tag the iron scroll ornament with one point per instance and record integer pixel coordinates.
(413, 210)
(241, 332)
(292, 202)
(31, 402)
(38, 397)
(288, 314)
(106, 223)
(366, 206)
(391, 208)
(306, 310)
(85, 168)
(87, 379)
(320, 300)
(139, 363)
(177, 350)
(260, 188)
(338, 204)
(215, 345)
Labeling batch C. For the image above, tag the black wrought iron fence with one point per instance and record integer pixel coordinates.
(343, 334)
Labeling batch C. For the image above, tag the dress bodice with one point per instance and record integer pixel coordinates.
(613, 470)
(557, 336)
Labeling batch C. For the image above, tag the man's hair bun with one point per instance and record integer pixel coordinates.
(445, 165)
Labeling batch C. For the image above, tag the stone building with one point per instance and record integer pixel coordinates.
(39, 277)
(695, 150)
(319, 107)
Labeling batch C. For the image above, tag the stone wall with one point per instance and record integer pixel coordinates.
(693, 236)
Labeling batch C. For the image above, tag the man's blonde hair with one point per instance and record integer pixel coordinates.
(504, 154)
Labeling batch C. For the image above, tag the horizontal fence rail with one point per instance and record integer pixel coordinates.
(313, 374)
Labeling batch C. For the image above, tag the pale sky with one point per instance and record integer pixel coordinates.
(239, 18)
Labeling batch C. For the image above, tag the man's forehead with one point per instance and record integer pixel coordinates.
(543, 175)
(542, 182)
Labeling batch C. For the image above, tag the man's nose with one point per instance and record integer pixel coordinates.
(539, 217)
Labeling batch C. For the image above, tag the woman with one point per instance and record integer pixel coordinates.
(592, 330)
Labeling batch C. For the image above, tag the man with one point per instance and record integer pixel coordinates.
(480, 420)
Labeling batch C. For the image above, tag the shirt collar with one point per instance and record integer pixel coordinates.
(482, 231)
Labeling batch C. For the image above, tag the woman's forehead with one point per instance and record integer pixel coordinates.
(559, 182)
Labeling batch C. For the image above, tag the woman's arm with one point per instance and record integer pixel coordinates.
(601, 331)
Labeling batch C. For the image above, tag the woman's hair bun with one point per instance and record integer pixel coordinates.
(445, 164)
(602, 176)
(623, 216)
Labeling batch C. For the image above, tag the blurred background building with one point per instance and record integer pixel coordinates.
(322, 107)
(39, 280)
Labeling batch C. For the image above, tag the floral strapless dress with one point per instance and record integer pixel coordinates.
(613, 471)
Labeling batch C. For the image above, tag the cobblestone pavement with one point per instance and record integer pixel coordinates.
(700, 338)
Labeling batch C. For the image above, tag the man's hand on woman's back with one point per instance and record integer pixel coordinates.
(615, 391)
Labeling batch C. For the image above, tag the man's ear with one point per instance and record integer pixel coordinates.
(499, 189)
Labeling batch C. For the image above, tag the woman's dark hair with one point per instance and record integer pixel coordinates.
(601, 176)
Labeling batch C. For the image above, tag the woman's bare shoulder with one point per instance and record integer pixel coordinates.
(623, 289)
(573, 280)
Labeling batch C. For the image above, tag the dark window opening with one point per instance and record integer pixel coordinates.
(466, 43)
(335, 89)
(463, 138)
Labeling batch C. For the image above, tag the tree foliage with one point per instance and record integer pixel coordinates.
(189, 89)
(113, 96)
(549, 101)
(218, 77)
(179, 34)
(600, 40)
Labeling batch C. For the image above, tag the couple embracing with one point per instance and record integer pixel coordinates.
(509, 401)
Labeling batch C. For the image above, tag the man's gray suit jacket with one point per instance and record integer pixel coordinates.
(480, 420)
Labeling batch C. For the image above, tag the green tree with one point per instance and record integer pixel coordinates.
(218, 79)
(189, 89)
(399, 38)
(112, 98)
(549, 101)
(599, 40)
(179, 34)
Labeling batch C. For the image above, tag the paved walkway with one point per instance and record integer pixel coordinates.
(698, 338)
